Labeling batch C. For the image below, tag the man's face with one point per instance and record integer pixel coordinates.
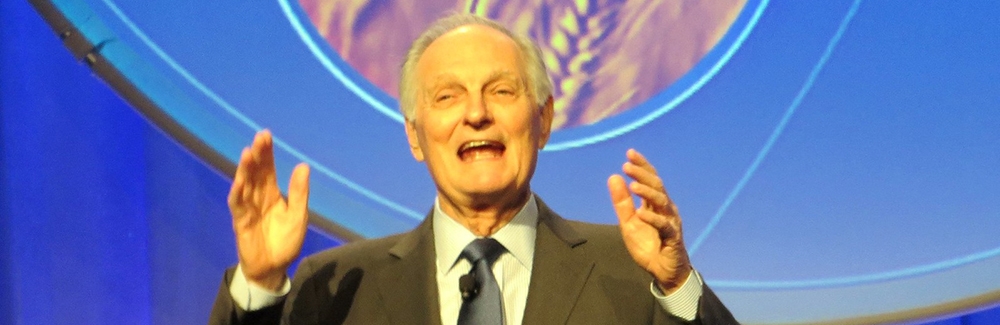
(475, 123)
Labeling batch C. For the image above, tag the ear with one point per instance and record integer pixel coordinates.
(411, 137)
(546, 115)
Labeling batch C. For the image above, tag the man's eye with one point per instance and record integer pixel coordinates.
(441, 98)
(505, 92)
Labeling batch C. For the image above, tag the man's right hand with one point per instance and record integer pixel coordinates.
(269, 229)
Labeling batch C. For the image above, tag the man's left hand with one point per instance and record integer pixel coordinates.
(652, 232)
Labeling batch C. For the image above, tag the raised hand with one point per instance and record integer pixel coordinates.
(652, 232)
(269, 229)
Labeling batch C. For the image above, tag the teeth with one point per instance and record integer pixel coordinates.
(479, 144)
(474, 144)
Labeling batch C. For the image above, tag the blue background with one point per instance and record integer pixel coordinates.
(889, 163)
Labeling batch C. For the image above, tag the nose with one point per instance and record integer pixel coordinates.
(477, 112)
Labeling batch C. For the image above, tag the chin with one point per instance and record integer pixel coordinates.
(489, 191)
(492, 192)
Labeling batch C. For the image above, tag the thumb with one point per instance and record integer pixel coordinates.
(298, 190)
(621, 198)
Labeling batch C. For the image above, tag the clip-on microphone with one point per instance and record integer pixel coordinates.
(469, 286)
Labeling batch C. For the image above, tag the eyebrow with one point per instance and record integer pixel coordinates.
(503, 74)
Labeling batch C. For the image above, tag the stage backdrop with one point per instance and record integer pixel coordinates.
(833, 161)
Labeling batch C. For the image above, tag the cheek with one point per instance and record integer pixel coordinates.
(436, 132)
(528, 128)
(440, 131)
(525, 132)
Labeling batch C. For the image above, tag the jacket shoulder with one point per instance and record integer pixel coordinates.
(338, 285)
(363, 253)
(604, 243)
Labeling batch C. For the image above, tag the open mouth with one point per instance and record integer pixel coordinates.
(480, 149)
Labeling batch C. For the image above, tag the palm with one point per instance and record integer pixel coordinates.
(642, 240)
(266, 237)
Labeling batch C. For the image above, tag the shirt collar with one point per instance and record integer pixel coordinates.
(518, 236)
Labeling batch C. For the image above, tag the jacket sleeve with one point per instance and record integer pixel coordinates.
(226, 312)
(711, 311)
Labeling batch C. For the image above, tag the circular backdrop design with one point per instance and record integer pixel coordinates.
(833, 161)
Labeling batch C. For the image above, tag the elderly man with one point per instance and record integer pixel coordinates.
(478, 109)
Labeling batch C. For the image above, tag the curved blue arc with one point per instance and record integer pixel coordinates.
(854, 280)
(672, 103)
(825, 282)
(328, 64)
(318, 52)
(251, 123)
(177, 67)
(726, 284)
(777, 130)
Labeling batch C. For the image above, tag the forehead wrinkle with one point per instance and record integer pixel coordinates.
(442, 79)
(446, 79)
(503, 74)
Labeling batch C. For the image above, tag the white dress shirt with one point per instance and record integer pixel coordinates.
(512, 271)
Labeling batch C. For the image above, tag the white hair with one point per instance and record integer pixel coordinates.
(539, 85)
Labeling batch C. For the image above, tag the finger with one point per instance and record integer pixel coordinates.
(664, 224)
(238, 193)
(249, 168)
(236, 208)
(654, 219)
(639, 168)
(264, 155)
(653, 198)
(621, 198)
(239, 179)
(250, 181)
(639, 160)
(262, 175)
(643, 175)
(260, 153)
(298, 191)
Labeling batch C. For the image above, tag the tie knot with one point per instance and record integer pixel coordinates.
(483, 248)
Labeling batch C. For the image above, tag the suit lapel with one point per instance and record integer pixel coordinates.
(558, 275)
(408, 286)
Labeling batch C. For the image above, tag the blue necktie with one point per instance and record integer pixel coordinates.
(485, 307)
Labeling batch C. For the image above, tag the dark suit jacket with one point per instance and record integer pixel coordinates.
(582, 274)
